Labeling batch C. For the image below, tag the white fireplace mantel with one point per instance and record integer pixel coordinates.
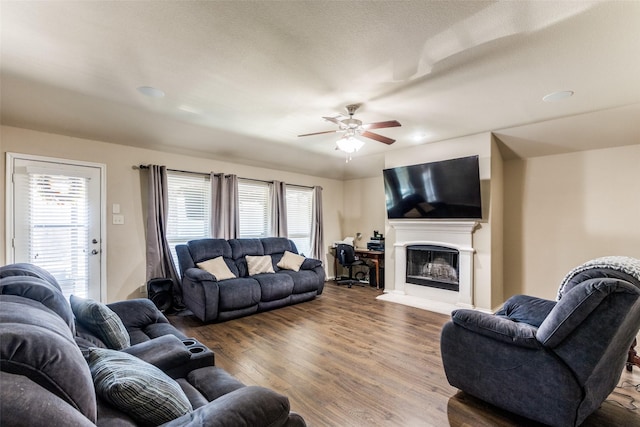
(452, 234)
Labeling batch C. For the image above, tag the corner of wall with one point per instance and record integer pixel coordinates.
(496, 216)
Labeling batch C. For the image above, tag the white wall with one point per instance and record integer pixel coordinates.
(558, 211)
(364, 208)
(126, 243)
(563, 210)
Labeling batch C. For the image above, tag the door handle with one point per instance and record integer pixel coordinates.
(94, 252)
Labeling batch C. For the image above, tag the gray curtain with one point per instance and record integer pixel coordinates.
(159, 261)
(317, 232)
(225, 216)
(279, 209)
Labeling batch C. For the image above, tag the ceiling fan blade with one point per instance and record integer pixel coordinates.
(378, 137)
(378, 125)
(320, 133)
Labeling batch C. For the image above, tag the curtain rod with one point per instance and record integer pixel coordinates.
(207, 174)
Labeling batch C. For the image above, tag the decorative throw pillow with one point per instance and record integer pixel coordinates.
(217, 267)
(259, 264)
(291, 261)
(136, 387)
(101, 321)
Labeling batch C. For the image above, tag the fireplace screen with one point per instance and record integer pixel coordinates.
(434, 266)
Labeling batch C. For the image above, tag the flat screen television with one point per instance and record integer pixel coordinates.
(448, 189)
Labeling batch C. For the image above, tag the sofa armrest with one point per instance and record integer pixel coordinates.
(247, 406)
(527, 309)
(310, 264)
(137, 313)
(496, 327)
(199, 275)
(166, 352)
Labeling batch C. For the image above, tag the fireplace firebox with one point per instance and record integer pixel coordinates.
(433, 266)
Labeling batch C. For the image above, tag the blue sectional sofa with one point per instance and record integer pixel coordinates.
(59, 365)
(213, 299)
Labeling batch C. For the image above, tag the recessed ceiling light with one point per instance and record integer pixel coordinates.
(151, 92)
(557, 96)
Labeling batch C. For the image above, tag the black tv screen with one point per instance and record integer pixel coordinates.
(439, 190)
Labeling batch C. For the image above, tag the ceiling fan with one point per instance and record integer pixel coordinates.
(353, 127)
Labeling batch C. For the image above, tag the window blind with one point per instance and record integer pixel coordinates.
(55, 224)
(255, 209)
(299, 212)
(189, 209)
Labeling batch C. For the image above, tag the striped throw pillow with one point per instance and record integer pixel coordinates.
(136, 387)
(101, 321)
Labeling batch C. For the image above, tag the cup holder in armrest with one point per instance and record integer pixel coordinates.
(200, 354)
(196, 349)
(200, 357)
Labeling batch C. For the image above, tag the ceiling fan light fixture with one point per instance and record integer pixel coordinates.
(349, 144)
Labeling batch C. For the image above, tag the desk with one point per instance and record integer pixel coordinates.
(376, 257)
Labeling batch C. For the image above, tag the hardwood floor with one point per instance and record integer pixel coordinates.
(347, 359)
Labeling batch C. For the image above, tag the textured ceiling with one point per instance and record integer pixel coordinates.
(243, 79)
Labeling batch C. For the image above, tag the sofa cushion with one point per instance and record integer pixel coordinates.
(37, 344)
(18, 393)
(277, 245)
(576, 305)
(217, 267)
(40, 290)
(274, 286)
(242, 247)
(303, 280)
(238, 293)
(291, 261)
(213, 382)
(204, 249)
(259, 264)
(26, 269)
(101, 321)
(526, 309)
(137, 388)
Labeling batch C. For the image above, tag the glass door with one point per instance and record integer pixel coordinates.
(57, 221)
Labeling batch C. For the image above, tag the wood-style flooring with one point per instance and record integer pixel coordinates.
(347, 359)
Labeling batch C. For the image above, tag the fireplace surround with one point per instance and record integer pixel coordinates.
(447, 237)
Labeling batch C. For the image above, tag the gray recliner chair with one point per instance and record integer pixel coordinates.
(551, 361)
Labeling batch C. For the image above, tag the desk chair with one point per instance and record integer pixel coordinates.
(346, 256)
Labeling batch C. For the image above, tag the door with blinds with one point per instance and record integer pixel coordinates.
(56, 220)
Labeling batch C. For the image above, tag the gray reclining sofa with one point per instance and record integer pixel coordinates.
(121, 364)
(216, 300)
